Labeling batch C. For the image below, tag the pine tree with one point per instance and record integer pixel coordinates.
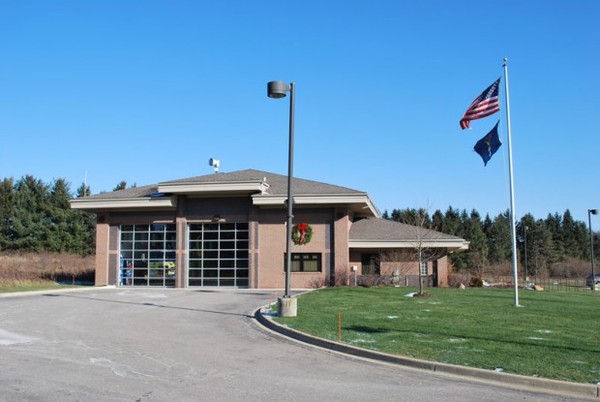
(121, 186)
(6, 212)
(83, 191)
(500, 240)
(478, 247)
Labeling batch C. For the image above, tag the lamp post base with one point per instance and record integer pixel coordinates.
(287, 306)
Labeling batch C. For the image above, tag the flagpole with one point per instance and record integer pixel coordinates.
(513, 221)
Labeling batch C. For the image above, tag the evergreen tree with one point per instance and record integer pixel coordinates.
(59, 237)
(437, 221)
(540, 247)
(499, 239)
(567, 236)
(6, 212)
(409, 215)
(554, 227)
(83, 191)
(478, 247)
(121, 186)
(452, 224)
(455, 224)
(525, 231)
(28, 229)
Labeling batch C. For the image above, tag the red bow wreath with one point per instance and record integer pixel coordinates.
(301, 233)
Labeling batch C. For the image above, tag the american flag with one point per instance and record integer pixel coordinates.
(484, 105)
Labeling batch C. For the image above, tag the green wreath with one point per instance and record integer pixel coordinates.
(302, 233)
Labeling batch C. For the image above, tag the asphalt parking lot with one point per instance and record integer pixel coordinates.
(114, 344)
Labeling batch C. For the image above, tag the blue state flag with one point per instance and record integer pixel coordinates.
(488, 145)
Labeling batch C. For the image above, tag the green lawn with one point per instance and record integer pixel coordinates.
(26, 286)
(555, 335)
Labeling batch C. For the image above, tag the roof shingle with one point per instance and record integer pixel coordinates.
(384, 229)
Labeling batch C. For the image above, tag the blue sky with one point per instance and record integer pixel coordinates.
(148, 91)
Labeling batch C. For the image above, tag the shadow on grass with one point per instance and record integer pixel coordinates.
(367, 330)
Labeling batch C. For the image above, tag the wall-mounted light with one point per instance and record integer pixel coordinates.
(218, 219)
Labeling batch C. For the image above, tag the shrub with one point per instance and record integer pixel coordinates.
(341, 278)
(317, 282)
(455, 279)
(476, 282)
(367, 281)
(569, 269)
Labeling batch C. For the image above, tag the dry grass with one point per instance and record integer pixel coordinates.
(17, 269)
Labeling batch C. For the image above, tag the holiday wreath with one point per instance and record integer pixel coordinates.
(301, 233)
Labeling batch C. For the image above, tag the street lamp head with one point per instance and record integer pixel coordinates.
(277, 89)
(593, 211)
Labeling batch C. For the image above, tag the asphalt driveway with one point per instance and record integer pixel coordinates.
(190, 345)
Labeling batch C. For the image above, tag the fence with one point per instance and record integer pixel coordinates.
(548, 284)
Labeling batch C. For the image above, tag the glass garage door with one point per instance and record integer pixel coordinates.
(147, 255)
(218, 254)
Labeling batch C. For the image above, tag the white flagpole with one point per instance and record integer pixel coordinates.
(513, 220)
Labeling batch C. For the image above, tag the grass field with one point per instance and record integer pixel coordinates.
(554, 335)
(27, 286)
(37, 271)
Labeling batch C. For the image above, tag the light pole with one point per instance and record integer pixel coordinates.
(590, 213)
(287, 304)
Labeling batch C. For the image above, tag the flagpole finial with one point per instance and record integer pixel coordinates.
(505, 60)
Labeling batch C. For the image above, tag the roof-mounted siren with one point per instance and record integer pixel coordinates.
(214, 163)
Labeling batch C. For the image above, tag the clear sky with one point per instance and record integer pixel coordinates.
(148, 91)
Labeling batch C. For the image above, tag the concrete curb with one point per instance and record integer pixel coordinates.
(514, 381)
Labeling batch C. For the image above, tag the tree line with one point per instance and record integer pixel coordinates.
(35, 216)
(541, 243)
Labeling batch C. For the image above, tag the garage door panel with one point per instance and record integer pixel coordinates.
(217, 251)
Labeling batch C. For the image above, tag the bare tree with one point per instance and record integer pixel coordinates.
(423, 238)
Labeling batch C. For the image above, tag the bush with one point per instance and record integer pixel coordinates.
(455, 279)
(569, 269)
(476, 282)
(368, 281)
(317, 283)
(341, 278)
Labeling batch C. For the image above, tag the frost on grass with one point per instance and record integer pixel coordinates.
(362, 341)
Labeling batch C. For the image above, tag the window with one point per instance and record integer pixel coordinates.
(305, 262)
(370, 264)
(424, 268)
